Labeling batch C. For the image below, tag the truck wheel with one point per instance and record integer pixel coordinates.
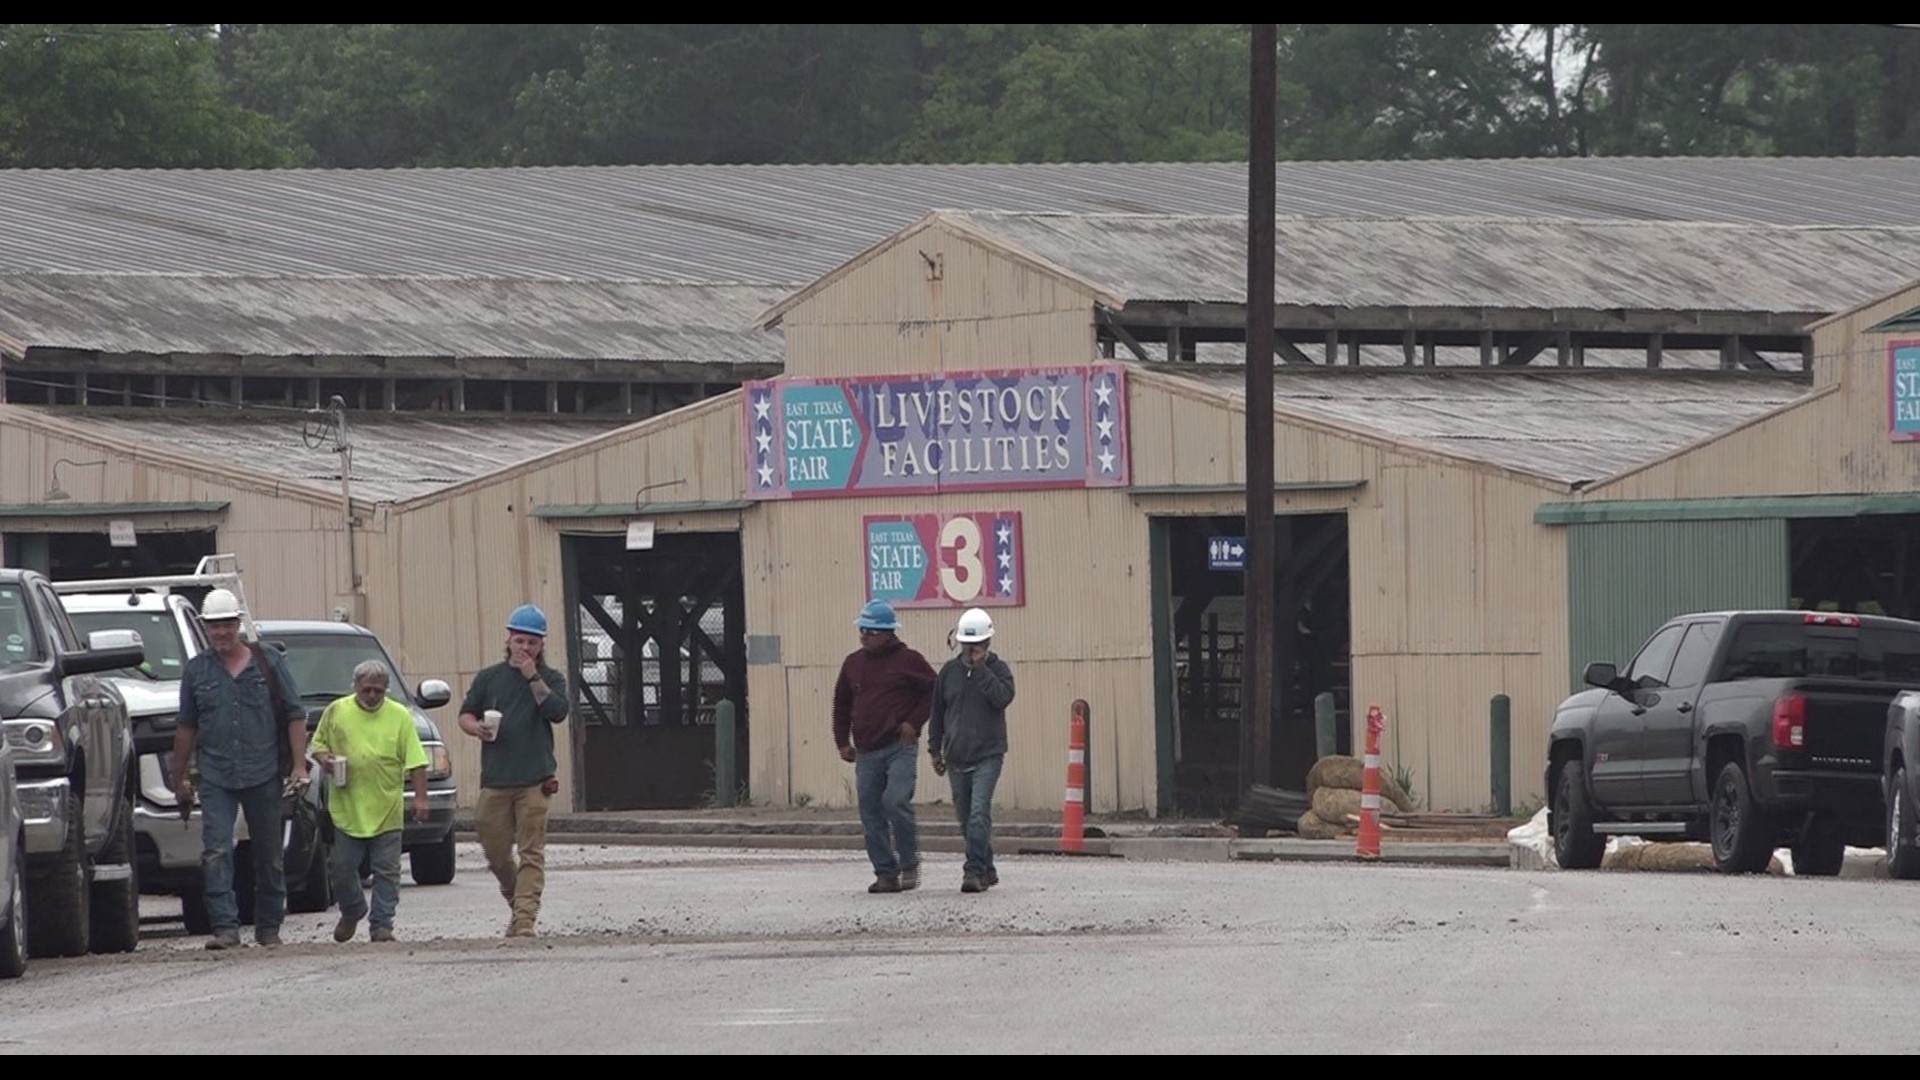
(433, 865)
(193, 911)
(115, 912)
(1742, 833)
(13, 932)
(1575, 845)
(1820, 851)
(58, 893)
(1903, 860)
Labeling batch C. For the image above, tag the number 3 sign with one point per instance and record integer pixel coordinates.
(946, 560)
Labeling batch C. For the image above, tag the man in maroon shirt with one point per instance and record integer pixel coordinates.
(883, 696)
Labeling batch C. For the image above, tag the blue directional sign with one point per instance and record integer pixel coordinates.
(1227, 553)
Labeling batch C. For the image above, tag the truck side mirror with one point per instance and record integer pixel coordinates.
(1603, 675)
(434, 693)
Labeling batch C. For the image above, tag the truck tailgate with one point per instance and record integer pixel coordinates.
(1846, 723)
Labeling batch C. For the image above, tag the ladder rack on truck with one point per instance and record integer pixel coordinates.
(213, 572)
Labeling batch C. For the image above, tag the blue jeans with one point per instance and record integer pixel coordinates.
(266, 819)
(383, 852)
(884, 779)
(973, 805)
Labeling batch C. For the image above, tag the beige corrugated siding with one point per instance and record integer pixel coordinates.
(461, 560)
(290, 543)
(1834, 443)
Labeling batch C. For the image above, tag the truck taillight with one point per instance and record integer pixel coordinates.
(1831, 618)
(1790, 722)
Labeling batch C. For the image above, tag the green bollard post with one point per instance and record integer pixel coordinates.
(1500, 744)
(725, 781)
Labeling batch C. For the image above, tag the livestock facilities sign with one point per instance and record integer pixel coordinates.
(1017, 430)
(946, 560)
(1903, 390)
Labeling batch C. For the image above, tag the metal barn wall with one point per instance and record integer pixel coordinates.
(290, 541)
(1626, 578)
(451, 566)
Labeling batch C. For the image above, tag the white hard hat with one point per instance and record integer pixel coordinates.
(220, 604)
(975, 625)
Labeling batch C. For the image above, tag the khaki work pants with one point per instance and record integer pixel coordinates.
(516, 817)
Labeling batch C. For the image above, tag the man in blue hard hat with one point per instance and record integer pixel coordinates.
(881, 699)
(512, 708)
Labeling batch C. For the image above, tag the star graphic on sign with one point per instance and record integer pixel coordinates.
(764, 440)
(1106, 461)
(760, 408)
(1006, 584)
(766, 476)
(1006, 561)
(1006, 534)
(1103, 391)
(1106, 429)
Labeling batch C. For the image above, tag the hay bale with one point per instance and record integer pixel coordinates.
(1313, 828)
(1345, 773)
(1339, 804)
(1671, 858)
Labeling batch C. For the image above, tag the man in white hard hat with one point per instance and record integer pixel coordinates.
(240, 709)
(967, 736)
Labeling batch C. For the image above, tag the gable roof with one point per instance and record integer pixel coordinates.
(1470, 262)
(788, 224)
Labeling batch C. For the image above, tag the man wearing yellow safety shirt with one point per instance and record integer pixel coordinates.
(368, 746)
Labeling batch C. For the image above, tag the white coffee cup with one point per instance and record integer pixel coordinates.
(339, 771)
(490, 722)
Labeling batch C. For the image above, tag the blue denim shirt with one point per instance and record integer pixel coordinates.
(238, 735)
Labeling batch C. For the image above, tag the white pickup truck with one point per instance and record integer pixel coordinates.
(168, 846)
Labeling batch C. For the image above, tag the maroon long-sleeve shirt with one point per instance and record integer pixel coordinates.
(879, 691)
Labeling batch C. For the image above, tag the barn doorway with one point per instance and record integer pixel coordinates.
(1202, 659)
(656, 641)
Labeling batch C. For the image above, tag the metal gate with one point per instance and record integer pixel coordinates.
(657, 639)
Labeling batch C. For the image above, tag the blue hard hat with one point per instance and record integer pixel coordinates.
(527, 619)
(877, 615)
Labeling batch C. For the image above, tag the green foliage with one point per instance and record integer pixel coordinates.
(391, 94)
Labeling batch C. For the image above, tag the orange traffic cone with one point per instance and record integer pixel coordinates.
(1368, 844)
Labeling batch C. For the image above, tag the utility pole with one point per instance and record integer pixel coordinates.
(1258, 649)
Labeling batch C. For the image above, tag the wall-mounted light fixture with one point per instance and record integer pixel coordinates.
(56, 493)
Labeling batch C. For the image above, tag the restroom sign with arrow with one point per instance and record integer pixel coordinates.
(1227, 553)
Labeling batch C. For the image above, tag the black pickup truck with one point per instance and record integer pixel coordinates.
(1750, 730)
(72, 749)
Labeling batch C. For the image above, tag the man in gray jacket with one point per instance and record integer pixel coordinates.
(968, 739)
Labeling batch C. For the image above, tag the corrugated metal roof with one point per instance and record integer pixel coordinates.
(1466, 262)
(792, 223)
(388, 316)
(1570, 426)
(396, 456)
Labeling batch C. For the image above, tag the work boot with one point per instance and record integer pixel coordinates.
(883, 883)
(989, 879)
(267, 941)
(520, 928)
(223, 939)
(382, 933)
(343, 930)
(909, 879)
(970, 882)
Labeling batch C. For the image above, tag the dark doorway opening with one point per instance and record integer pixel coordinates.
(656, 641)
(1869, 565)
(80, 556)
(1313, 653)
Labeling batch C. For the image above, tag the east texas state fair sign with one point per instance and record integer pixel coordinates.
(966, 431)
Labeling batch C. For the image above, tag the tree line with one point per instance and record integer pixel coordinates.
(358, 95)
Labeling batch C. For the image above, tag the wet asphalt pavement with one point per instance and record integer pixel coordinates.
(693, 950)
